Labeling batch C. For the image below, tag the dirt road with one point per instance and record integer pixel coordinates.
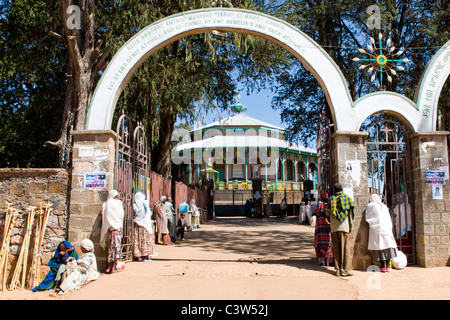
(247, 259)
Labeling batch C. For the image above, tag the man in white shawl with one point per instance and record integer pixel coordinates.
(81, 271)
(111, 233)
(143, 229)
(381, 239)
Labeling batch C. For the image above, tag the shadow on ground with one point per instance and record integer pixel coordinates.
(270, 241)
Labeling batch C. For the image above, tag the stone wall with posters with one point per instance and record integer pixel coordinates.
(92, 178)
(432, 209)
(350, 149)
(24, 187)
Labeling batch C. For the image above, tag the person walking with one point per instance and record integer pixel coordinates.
(143, 229)
(381, 239)
(283, 208)
(340, 209)
(111, 232)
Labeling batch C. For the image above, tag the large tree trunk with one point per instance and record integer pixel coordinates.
(85, 61)
(161, 153)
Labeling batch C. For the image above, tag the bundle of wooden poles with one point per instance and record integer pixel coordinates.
(19, 277)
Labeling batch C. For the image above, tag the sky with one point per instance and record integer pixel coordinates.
(258, 106)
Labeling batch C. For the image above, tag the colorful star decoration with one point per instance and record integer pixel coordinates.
(381, 60)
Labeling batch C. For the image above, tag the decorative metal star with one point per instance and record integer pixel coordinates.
(381, 60)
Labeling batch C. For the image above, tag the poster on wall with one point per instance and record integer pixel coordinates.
(95, 180)
(354, 169)
(435, 177)
(437, 191)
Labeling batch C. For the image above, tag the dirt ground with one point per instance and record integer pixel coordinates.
(250, 259)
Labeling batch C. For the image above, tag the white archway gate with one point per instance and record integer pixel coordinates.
(167, 30)
(347, 116)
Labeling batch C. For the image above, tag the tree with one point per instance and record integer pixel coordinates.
(341, 27)
(191, 76)
(85, 61)
(32, 82)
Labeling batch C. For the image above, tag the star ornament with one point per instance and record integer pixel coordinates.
(381, 60)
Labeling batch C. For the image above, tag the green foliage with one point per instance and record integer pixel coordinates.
(340, 27)
(32, 83)
(189, 77)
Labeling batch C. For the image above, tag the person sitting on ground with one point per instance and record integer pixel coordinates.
(181, 225)
(57, 265)
(80, 272)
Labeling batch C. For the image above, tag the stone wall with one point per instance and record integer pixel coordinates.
(93, 152)
(350, 146)
(432, 217)
(24, 187)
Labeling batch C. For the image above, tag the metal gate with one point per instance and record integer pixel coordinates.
(324, 154)
(389, 175)
(130, 174)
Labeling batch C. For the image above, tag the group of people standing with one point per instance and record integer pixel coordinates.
(145, 234)
(68, 271)
(334, 222)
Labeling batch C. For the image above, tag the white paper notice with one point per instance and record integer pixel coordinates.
(437, 191)
(354, 169)
(86, 152)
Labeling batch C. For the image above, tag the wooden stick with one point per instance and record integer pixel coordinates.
(37, 235)
(5, 231)
(13, 214)
(23, 255)
(45, 210)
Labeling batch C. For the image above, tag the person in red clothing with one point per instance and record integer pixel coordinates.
(322, 234)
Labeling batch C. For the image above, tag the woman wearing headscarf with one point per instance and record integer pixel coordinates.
(195, 215)
(111, 233)
(81, 271)
(57, 265)
(381, 239)
(143, 229)
(322, 233)
(161, 220)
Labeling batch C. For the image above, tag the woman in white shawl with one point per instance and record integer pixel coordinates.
(81, 271)
(143, 229)
(111, 233)
(381, 239)
(195, 215)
